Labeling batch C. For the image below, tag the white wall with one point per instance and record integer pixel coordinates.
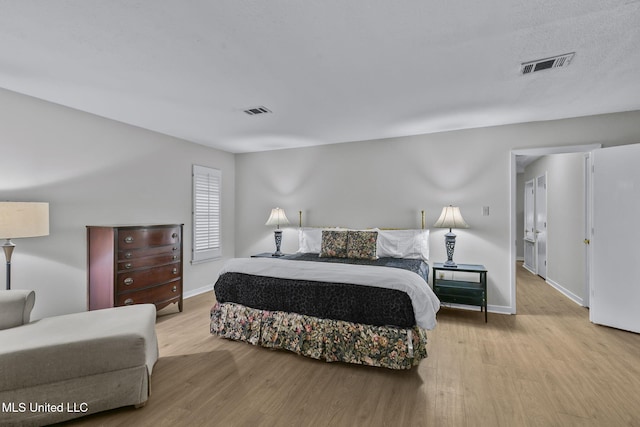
(387, 182)
(565, 220)
(95, 171)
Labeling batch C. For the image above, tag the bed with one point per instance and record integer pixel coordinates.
(354, 296)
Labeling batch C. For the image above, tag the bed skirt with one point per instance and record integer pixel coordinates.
(323, 339)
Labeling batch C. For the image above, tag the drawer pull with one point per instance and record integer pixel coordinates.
(128, 265)
(128, 281)
(174, 289)
(175, 271)
(128, 255)
(174, 235)
(175, 257)
(128, 239)
(175, 249)
(128, 301)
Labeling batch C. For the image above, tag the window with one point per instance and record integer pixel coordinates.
(207, 187)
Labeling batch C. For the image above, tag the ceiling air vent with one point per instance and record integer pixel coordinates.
(547, 63)
(257, 110)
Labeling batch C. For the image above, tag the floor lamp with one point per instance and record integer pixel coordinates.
(18, 220)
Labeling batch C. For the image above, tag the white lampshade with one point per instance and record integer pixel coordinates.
(450, 217)
(23, 219)
(277, 218)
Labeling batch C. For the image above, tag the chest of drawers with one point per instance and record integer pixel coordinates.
(134, 264)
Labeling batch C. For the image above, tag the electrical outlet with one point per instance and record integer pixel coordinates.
(485, 211)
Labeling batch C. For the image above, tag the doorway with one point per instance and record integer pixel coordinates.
(517, 232)
(535, 225)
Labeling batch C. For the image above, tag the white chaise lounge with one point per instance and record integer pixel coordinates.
(64, 367)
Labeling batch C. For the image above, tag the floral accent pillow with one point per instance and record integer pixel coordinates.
(334, 244)
(362, 244)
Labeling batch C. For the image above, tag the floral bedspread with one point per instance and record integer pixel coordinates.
(323, 339)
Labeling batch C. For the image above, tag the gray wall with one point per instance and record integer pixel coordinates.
(565, 220)
(387, 182)
(95, 171)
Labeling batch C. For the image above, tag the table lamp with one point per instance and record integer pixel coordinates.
(277, 218)
(450, 217)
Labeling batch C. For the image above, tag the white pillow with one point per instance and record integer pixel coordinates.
(403, 244)
(309, 240)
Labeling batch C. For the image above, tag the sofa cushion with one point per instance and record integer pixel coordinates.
(76, 345)
(15, 307)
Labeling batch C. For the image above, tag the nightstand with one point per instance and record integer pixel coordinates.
(462, 291)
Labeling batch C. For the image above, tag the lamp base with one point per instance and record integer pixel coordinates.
(278, 237)
(450, 244)
(8, 247)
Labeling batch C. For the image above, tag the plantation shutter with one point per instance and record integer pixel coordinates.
(207, 187)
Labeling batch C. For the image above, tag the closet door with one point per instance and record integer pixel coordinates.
(615, 287)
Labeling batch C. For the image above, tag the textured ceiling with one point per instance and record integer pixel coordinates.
(330, 71)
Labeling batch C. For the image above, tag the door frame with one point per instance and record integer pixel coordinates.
(541, 151)
(529, 239)
(588, 225)
(540, 203)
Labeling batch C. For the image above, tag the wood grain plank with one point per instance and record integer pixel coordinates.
(546, 366)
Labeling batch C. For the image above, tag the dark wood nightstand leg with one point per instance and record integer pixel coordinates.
(483, 279)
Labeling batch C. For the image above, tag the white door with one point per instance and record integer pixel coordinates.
(541, 226)
(615, 286)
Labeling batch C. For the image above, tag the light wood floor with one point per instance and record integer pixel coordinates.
(546, 366)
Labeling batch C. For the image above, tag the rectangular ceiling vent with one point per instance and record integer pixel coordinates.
(547, 63)
(257, 110)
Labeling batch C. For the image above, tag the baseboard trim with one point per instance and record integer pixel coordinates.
(573, 297)
(194, 292)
